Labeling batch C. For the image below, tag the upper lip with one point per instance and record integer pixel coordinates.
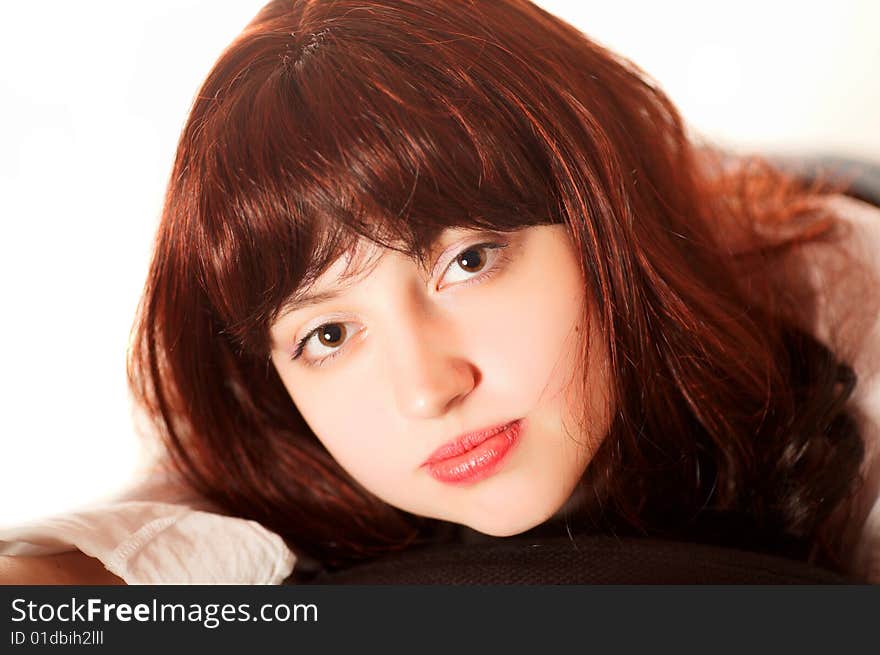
(465, 442)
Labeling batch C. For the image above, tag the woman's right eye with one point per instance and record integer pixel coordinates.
(323, 343)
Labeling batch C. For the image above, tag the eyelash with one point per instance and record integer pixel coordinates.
(501, 258)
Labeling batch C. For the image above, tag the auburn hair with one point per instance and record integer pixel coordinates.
(326, 122)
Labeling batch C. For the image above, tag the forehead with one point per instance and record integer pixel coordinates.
(345, 271)
(356, 263)
(348, 268)
(341, 274)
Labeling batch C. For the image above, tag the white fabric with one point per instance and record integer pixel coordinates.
(154, 534)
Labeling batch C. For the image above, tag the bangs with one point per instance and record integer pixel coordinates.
(349, 135)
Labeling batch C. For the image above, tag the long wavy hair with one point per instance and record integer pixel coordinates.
(330, 121)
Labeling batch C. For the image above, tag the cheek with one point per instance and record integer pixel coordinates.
(528, 346)
(350, 422)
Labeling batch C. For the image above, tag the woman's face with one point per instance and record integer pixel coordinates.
(402, 363)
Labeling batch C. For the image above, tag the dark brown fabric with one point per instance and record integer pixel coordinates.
(581, 560)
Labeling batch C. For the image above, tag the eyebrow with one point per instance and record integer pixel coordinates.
(298, 302)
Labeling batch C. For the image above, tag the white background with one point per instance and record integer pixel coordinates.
(93, 96)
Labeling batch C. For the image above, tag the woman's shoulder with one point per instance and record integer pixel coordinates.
(845, 273)
(158, 532)
(834, 278)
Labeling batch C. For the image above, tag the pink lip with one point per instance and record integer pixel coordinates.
(473, 456)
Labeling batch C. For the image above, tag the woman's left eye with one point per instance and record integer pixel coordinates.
(474, 262)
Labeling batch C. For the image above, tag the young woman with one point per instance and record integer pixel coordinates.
(433, 263)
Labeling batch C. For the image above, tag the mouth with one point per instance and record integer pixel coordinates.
(473, 456)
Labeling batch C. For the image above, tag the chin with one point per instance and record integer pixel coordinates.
(500, 532)
(508, 526)
(515, 507)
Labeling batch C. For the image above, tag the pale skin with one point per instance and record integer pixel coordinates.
(430, 354)
(484, 336)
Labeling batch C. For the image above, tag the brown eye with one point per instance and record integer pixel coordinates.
(331, 335)
(473, 264)
(472, 260)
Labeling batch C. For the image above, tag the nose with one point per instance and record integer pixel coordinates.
(428, 376)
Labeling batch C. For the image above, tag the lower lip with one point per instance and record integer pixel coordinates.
(480, 462)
